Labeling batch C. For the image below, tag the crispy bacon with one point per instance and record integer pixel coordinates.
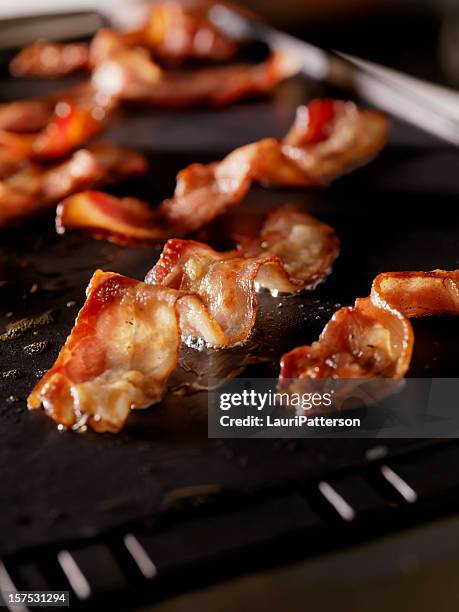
(126, 342)
(205, 191)
(313, 153)
(14, 150)
(48, 59)
(70, 126)
(35, 188)
(173, 31)
(25, 115)
(123, 347)
(294, 251)
(374, 338)
(65, 120)
(121, 220)
(176, 31)
(130, 75)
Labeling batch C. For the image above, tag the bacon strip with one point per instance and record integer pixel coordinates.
(173, 32)
(25, 115)
(65, 121)
(176, 31)
(374, 338)
(205, 191)
(14, 150)
(123, 347)
(35, 188)
(126, 340)
(130, 75)
(328, 136)
(48, 59)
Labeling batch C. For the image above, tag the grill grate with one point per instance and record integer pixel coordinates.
(216, 541)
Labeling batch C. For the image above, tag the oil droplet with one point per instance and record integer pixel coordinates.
(36, 348)
(10, 374)
(12, 399)
(18, 328)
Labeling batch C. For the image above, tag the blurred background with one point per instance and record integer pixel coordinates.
(419, 36)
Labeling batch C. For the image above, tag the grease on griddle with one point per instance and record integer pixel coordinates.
(13, 399)
(19, 328)
(10, 374)
(192, 496)
(36, 348)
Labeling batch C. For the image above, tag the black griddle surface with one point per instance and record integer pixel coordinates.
(401, 212)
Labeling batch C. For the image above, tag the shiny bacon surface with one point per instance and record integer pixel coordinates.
(124, 345)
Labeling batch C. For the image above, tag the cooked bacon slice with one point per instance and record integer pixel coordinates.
(335, 142)
(224, 282)
(173, 32)
(70, 126)
(295, 251)
(126, 340)
(48, 59)
(332, 137)
(14, 150)
(25, 115)
(374, 338)
(176, 31)
(130, 75)
(123, 347)
(418, 294)
(305, 247)
(35, 188)
(121, 220)
(205, 191)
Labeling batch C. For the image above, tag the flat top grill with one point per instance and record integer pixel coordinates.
(160, 507)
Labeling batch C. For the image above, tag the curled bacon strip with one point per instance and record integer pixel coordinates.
(34, 188)
(125, 343)
(123, 347)
(176, 31)
(25, 115)
(64, 122)
(349, 138)
(14, 150)
(374, 338)
(130, 75)
(205, 191)
(71, 125)
(48, 59)
(173, 31)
